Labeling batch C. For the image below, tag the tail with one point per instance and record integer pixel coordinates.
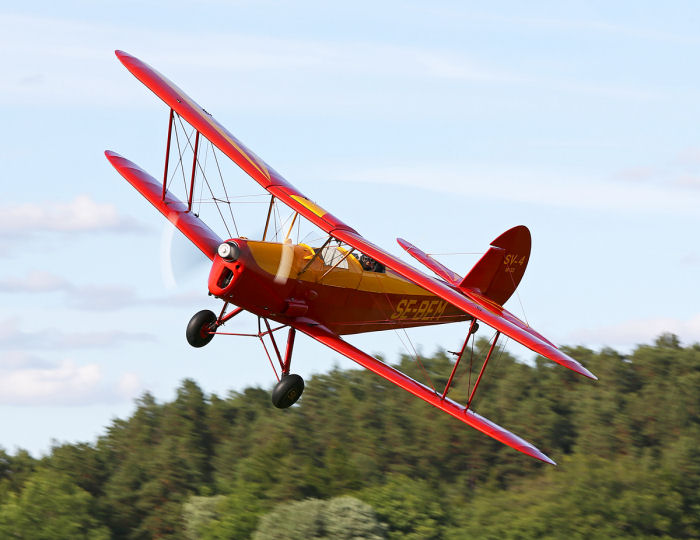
(499, 271)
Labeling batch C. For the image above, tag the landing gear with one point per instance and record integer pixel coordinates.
(287, 391)
(200, 327)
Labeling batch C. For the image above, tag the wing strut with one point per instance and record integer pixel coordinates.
(483, 368)
(269, 214)
(472, 329)
(194, 170)
(167, 153)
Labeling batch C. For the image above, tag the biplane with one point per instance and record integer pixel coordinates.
(343, 285)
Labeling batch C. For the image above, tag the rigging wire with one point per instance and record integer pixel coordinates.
(206, 181)
(517, 294)
(179, 164)
(201, 185)
(221, 176)
(494, 368)
(458, 253)
(415, 353)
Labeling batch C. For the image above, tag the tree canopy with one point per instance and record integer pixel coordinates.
(360, 458)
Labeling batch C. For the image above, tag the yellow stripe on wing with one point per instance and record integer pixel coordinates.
(313, 207)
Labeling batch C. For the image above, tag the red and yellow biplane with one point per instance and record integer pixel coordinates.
(345, 285)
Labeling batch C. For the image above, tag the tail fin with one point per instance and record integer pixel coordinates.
(500, 269)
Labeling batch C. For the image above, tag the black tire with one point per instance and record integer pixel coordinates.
(287, 391)
(199, 327)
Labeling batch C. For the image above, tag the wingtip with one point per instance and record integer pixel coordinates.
(590, 375)
(546, 459)
(583, 371)
(123, 56)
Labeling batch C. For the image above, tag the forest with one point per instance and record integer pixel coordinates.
(359, 458)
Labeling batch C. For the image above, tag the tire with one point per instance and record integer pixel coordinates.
(287, 391)
(198, 328)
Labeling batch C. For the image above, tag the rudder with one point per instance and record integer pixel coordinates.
(500, 269)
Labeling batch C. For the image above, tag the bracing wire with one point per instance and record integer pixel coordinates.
(206, 181)
(221, 176)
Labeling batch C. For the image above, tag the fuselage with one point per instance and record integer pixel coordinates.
(329, 286)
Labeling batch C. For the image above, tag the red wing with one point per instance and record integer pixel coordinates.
(173, 209)
(469, 417)
(205, 123)
(437, 267)
(475, 305)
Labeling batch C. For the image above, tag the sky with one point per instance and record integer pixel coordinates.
(444, 123)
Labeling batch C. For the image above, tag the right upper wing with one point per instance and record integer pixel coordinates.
(472, 303)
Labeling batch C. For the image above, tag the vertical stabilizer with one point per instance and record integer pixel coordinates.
(500, 269)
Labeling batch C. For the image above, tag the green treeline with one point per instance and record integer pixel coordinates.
(360, 458)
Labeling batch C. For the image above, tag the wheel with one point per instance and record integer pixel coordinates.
(199, 327)
(287, 391)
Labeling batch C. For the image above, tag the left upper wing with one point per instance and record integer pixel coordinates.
(469, 417)
(205, 123)
(472, 303)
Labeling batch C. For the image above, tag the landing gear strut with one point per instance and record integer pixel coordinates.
(203, 326)
(290, 386)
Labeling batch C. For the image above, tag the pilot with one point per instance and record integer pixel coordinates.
(369, 264)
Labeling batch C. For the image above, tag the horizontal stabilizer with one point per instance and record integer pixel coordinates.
(437, 267)
(171, 207)
(425, 393)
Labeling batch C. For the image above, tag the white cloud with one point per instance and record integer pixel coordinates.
(13, 338)
(64, 384)
(82, 214)
(30, 381)
(21, 360)
(35, 282)
(130, 386)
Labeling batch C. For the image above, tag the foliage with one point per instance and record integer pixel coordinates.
(340, 518)
(51, 507)
(360, 458)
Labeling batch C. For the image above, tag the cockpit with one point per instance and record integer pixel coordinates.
(337, 256)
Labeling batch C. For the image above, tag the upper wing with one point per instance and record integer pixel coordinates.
(467, 416)
(172, 208)
(470, 302)
(205, 123)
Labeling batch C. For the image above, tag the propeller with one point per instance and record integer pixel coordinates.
(180, 260)
(286, 256)
(286, 260)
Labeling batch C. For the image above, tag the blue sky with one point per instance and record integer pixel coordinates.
(443, 124)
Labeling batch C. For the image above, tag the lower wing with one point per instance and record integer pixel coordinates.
(469, 417)
(172, 208)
